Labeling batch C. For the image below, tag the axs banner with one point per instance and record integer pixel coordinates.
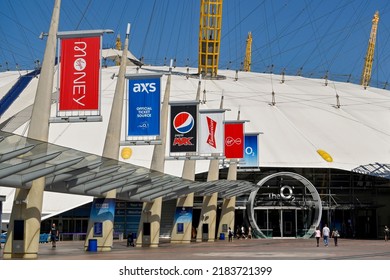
(183, 128)
(80, 74)
(144, 106)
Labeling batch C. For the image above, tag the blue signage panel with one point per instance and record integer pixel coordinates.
(251, 151)
(183, 215)
(180, 228)
(144, 107)
(102, 209)
(98, 229)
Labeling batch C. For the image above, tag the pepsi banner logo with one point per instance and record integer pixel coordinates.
(183, 122)
(183, 129)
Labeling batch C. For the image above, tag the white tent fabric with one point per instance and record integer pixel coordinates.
(115, 55)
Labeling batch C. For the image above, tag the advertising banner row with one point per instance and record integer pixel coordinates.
(191, 130)
(200, 132)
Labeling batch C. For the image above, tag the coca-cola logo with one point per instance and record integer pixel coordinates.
(230, 141)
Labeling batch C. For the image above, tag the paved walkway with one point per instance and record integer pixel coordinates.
(262, 249)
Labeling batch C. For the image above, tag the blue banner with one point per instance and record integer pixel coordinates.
(183, 215)
(251, 158)
(102, 209)
(144, 106)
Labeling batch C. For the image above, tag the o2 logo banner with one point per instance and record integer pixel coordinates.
(250, 151)
(144, 107)
(183, 128)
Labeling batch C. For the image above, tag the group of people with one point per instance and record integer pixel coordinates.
(326, 234)
(240, 233)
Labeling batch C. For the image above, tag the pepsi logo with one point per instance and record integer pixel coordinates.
(183, 122)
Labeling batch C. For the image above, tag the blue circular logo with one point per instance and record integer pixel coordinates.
(183, 122)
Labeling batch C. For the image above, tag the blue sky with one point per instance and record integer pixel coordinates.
(315, 36)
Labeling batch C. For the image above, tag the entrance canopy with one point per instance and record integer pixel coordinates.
(67, 170)
(374, 169)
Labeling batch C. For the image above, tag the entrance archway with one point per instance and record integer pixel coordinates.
(286, 204)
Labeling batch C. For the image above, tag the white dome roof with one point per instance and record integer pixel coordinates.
(305, 118)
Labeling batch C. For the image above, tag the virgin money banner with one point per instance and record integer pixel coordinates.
(211, 131)
(234, 139)
(183, 128)
(144, 106)
(251, 158)
(79, 74)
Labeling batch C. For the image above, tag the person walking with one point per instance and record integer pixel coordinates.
(335, 235)
(238, 232)
(318, 236)
(243, 233)
(325, 235)
(387, 231)
(54, 235)
(249, 232)
(230, 235)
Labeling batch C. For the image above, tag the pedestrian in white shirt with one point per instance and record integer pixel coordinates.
(325, 235)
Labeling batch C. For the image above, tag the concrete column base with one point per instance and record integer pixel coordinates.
(151, 213)
(100, 248)
(227, 216)
(180, 241)
(208, 216)
(30, 256)
(185, 236)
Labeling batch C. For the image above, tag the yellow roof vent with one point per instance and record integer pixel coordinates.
(126, 153)
(327, 157)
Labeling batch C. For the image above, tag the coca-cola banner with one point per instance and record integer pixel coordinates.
(183, 128)
(234, 139)
(79, 74)
(211, 131)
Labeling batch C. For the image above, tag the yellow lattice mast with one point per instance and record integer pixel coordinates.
(118, 46)
(248, 53)
(209, 37)
(367, 69)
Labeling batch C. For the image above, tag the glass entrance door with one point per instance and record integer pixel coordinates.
(280, 222)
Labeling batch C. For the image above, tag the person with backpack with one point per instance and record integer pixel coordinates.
(335, 235)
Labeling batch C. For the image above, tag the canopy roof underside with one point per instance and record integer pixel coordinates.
(67, 170)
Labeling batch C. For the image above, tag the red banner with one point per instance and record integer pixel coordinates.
(234, 140)
(79, 74)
